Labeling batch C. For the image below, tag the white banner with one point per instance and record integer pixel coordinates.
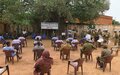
(49, 25)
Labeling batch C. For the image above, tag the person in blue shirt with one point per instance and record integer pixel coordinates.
(8, 47)
(2, 40)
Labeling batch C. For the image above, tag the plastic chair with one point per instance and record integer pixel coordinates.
(65, 52)
(18, 47)
(3, 69)
(57, 45)
(115, 49)
(107, 60)
(23, 42)
(76, 64)
(3, 42)
(74, 46)
(9, 57)
(37, 53)
(88, 55)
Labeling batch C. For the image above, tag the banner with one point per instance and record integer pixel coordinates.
(49, 25)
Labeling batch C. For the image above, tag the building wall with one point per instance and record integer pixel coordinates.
(103, 20)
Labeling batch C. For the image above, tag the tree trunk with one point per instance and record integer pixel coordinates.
(36, 27)
(62, 25)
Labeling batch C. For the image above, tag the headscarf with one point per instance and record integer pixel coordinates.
(45, 60)
(45, 54)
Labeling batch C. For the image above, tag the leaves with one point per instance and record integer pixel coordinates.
(26, 12)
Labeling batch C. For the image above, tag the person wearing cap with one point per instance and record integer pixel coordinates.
(115, 38)
(105, 53)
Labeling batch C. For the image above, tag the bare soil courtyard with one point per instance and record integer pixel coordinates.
(25, 65)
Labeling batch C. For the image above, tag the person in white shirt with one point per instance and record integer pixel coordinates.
(74, 41)
(24, 32)
(36, 41)
(88, 37)
(21, 37)
(69, 39)
(23, 40)
(100, 41)
(59, 40)
(16, 41)
(39, 46)
(39, 37)
(54, 38)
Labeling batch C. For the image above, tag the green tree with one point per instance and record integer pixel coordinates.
(114, 22)
(87, 10)
(26, 12)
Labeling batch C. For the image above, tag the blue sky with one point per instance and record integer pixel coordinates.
(114, 9)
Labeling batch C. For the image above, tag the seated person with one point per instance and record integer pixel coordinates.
(65, 46)
(1, 37)
(87, 47)
(2, 40)
(70, 38)
(65, 50)
(23, 40)
(39, 37)
(16, 41)
(55, 38)
(21, 37)
(8, 47)
(38, 49)
(105, 53)
(59, 40)
(38, 46)
(36, 41)
(74, 41)
(43, 64)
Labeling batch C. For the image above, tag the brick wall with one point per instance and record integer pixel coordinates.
(103, 20)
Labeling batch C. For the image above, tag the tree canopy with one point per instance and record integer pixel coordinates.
(28, 12)
(114, 22)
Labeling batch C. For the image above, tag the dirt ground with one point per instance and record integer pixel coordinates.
(25, 65)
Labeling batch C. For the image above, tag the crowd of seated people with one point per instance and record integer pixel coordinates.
(44, 61)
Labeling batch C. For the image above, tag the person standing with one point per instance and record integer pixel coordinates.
(115, 38)
(106, 35)
(24, 32)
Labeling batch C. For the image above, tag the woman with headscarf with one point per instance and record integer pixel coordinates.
(43, 64)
